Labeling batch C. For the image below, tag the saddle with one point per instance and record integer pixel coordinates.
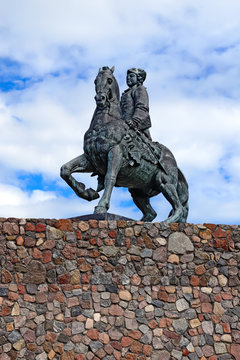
(139, 146)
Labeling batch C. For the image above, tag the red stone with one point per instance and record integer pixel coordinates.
(116, 345)
(116, 310)
(20, 240)
(80, 357)
(40, 227)
(47, 256)
(152, 324)
(185, 352)
(36, 254)
(200, 269)
(109, 349)
(6, 276)
(147, 350)
(29, 298)
(109, 242)
(221, 243)
(29, 242)
(94, 253)
(29, 227)
(60, 297)
(63, 279)
(10, 228)
(69, 251)
(163, 323)
(203, 281)
(193, 332)
(218, 298)
(112, 234)
(21, 289)
(126, 341)
(116, 354)
(235, 351)
(84, 267)
(108, 267)
(93, 241)
(171, 298)
(5, 311)
(85, 278)
(13, 296)
(226, 328)
(68, 355)
(131, 356)
(162, 295)
(64, 225)
(136, 280)
(207, 308)
(48, 245)
(171, 334)
(92, 334)
(136, 347)
(93, 224)
(51, 336)
(29, 336)
(135, 334)
(194, 281)
(53, 288)
(210, 226)
(78, 235)
(41, 298)
(219, 233)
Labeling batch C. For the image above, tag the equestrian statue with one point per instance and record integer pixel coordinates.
(118, 149)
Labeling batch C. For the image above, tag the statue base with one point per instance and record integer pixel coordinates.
(105, 216)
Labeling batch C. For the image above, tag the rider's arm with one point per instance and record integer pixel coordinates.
(141, 108)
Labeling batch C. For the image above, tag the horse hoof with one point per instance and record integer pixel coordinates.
(149, 217)
(92, 194)
(100, 210)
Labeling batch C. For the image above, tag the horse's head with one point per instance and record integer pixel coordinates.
(106, 87)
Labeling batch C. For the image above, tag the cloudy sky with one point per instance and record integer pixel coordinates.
(50, 52)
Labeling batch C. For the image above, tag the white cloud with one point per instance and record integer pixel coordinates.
(190, 51)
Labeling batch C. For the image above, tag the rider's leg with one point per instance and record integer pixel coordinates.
(168, 186)
(114, 164)
(142, 202)
(79, 164)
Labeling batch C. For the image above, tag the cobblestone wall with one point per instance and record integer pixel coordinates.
(118, 290)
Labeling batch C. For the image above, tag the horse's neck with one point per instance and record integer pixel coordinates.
(106, 115)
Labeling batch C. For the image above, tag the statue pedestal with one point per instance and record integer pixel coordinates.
(105, 216)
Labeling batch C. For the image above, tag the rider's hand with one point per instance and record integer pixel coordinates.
(132, 124)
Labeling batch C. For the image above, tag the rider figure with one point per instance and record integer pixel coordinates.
(135, 104)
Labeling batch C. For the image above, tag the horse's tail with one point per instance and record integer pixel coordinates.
(182, 190)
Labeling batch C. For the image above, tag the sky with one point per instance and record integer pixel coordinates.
(50, 53)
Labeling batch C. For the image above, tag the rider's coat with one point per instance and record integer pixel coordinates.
(135, 107)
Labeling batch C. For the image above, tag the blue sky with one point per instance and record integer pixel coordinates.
(50, 53)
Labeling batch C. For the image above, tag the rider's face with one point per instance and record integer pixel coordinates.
(131, 79)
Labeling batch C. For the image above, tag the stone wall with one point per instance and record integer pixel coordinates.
(118, 290)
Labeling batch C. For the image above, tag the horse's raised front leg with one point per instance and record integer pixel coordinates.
(79, 164)
(114, 164)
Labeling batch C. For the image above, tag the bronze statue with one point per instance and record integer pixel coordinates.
(118, 148)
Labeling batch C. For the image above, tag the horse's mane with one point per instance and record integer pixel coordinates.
(115, 88)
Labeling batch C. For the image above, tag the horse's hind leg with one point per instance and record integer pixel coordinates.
(168, 186)
(79, 164)
(142, 202)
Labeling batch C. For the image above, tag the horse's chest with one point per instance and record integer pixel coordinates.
(99, 141)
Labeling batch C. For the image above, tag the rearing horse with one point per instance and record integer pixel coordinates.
(109, 146)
